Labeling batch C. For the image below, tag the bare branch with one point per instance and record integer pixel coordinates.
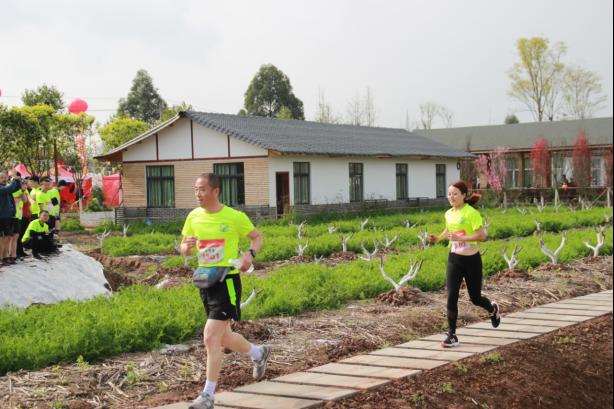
(251, 297)
(300, 250)
(389, 242)
(345, 241)
(364, 223)
(554, 256)
(368, 255)
(512, 261)
(600, 241)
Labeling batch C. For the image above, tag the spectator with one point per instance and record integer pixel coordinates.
(34, 187)
(38, 237)
(8, 186)
(56, 201)
(22, 205)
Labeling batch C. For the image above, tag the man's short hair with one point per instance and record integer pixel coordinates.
(46, 179)
(62, 183)
(215, 181)
(44, 211)
(34, 178)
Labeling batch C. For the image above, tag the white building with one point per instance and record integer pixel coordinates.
(271, 166)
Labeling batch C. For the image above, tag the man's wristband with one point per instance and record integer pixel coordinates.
(252, 252)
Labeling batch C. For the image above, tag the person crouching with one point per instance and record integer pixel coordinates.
(38, 237)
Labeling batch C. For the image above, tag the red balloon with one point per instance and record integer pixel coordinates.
(77, 106)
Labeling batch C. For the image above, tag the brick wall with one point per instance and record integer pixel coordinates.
(186, 172)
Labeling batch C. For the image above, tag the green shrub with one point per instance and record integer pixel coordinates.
(138, 244)
(71, 225)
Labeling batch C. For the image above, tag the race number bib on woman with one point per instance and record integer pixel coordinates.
(459, 245)
(210, 251)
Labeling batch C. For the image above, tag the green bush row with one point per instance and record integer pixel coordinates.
(281, 241)
(140, 318)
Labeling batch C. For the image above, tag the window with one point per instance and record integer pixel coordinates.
(356, 194)
(440, 180)
(560, 168)
(401, 181)
(596, 171)
(160, 186)
(528, 171)
(511, 172)
(233, 183)
(301, 183)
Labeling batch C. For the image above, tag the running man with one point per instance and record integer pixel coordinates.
(464, 228)
(214, 230)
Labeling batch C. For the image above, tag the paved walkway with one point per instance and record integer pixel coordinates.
(339, 380)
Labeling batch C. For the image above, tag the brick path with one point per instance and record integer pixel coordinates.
(339, 380)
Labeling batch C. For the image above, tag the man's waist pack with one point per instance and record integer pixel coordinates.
(206, 277)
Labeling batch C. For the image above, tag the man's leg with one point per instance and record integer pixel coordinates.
(3, 246)
(213, 334)
(235, 341)
(13, 246)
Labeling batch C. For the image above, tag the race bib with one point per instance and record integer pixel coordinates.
(49, 207)
(210, 251)
(459, 245)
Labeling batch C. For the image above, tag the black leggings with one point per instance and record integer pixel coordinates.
(469, 268)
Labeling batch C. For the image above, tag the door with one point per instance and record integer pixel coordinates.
(282, 188)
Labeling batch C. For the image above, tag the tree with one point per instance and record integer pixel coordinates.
(354, 111)
(324, 113)
(284, 113)
(511, 119)
(428, 112)
(121, 130)
(582, 89)
(609, 163)
(269, 91)
(32, 132)
(536, 78)
(174, 110)
(492, 165)
(581, 157)
(143, 101)
(540, 158)
(369, 111)
(446, 116)
(44, 95)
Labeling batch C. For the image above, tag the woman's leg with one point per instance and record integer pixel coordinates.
(454, 278)
(472, 267)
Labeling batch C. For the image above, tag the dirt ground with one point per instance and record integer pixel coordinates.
(144, 380)
(567, 369)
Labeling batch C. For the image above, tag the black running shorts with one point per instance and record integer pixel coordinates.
(223, 301)
(7, 227)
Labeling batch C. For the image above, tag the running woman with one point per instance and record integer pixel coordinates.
(214, 229)
(464, 228)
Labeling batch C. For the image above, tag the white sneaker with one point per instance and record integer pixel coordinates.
(203, 401)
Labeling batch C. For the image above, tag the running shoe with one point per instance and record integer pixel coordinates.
(495, 317)
(450, 341)
(203, 401)
(260, 365)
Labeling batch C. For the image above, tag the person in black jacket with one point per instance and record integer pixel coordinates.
(8, 185)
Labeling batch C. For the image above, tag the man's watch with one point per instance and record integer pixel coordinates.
(252, 252)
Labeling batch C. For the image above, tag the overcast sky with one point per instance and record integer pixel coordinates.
(455, 53)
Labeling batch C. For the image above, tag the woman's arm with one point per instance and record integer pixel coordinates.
(434, 239)
(479, 235)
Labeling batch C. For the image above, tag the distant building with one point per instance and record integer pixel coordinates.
(271, 166)
(519, 139)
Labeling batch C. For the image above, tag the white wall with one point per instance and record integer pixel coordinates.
(174, 142)
(144, 150)
(209, 143)
(240, 148)
(330, 177)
